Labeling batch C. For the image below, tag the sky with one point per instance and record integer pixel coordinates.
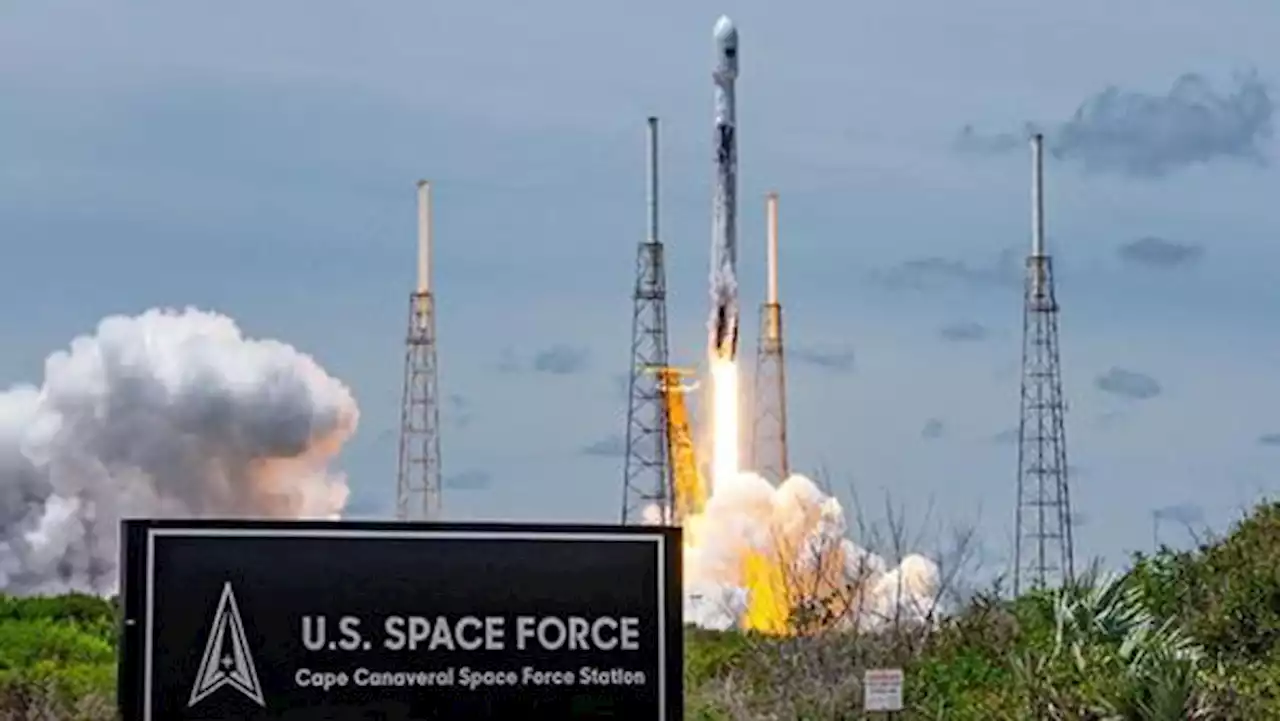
(259, 159)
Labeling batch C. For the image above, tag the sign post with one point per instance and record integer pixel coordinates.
(271, 620)
(882, 690)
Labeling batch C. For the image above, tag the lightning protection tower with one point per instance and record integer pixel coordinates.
(1043, 546)
(646, 480)
(418, 484)
(769, 434)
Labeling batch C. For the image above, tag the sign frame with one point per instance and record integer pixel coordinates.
(138, 570)
(882, 690)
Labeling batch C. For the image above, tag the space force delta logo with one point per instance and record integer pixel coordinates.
(226, 661)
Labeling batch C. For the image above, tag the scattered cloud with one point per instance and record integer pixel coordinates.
(835, 360)
(1146, 135)
(1185, 513)
(972, 141)
(458, 410)
(1155, 252)
(1269, 439)
(508, 362)
(473, 480)
(933, 428)
(1128, 384)
(934, 272)
(559, 359)
(962, 332)
(609, 446)
(1008, 435)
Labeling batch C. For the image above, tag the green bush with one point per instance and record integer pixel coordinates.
(57, 657)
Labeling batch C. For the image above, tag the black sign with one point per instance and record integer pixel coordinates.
(399, 621)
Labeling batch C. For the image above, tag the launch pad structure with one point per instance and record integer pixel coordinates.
(646, 473)
(1043, 544)
(418, 483)
(769, 430)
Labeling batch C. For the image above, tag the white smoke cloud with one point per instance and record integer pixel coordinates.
(801, 528)
(166, 414)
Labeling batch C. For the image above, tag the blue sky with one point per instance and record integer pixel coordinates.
(259, 159)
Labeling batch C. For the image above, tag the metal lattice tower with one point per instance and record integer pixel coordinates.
(418, 483)
(769, 433)
(646, 475)
(1043, 546)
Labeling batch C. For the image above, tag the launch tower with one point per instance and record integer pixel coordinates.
(646, 480)
(1043, 549)
(769, 435)
(418, 483)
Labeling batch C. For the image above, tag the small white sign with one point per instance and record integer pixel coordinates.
(882, 689)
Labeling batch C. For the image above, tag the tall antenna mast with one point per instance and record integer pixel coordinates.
(646, 482)
(418, 478)
(1043, 544)
(769, 436)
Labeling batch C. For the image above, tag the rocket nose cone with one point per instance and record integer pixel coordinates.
(725, 32)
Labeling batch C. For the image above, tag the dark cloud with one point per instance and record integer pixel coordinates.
(472, 480)
(1128, 384)
(559, 359)
(1148, 135)
(1269, 439)
(835, 360)
(933, 428)
(610, 446)
(961, 332)
(1156, 252)
(933, 272)
(1181, 513)
(1152, 135)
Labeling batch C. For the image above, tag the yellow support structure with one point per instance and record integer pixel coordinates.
(689, 489)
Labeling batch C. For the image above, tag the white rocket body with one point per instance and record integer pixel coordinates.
(724, 219)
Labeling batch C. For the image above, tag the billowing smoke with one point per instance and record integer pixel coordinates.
(799, 534)
(166, 414)
(1149, 135)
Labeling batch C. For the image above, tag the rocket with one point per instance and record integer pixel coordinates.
(724, 229)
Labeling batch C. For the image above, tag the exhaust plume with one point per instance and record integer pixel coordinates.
(759, 554)
(165, 414)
